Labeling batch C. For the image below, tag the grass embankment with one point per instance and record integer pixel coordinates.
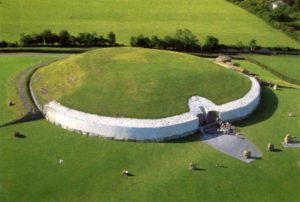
(285, 67)
(11, 68)
(30, 171)
(130, 18)
(264, 74)
(133, 82)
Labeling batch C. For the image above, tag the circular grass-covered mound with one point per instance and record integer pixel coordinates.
(135, 82)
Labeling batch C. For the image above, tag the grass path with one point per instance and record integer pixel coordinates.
(10, 67)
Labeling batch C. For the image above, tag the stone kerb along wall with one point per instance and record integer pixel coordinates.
(151, 129)
(121, 128)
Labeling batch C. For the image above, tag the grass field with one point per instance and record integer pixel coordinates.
(287, 66)
(133, 82)
(29, 169)
(229, 23)
(10, 66)
(263, 74)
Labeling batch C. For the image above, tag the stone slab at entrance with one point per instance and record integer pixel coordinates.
(229, 144)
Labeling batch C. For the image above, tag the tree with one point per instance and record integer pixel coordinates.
(133, 41)
(37, 38)
(26, 40)
(87, 39)
(170, 42)
(140, 41)
(211, 43)
(186, 40)
(49, 38)
(156, 42)
(3, 43)
(252, 45)
(111, 39)
(64, 38)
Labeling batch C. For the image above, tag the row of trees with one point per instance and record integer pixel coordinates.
(182, 40)
(64, 39)
(185, 40)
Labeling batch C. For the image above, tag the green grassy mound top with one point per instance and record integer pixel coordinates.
(133, 82)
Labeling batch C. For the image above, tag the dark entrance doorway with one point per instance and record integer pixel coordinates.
(212, 117)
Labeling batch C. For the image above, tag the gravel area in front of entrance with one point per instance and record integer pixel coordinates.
(230, 144)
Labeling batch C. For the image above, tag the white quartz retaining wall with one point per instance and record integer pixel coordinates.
(231, 111)
(121, 128)
(151, 129)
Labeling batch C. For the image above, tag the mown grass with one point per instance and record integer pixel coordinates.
(134, 82)
(263, 74)
(10, 67)
(286, 67)
(30, 171)
(228, 22)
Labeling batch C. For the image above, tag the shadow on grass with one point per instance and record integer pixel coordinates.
(267, 107)
(199, 169)
(19, 135)
(130, 175)
(191, 138)
(27, 118)
(277, 150)
(220, 166)
(256, 158)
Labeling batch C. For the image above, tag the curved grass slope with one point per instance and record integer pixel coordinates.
(285, 66)
(228, 22)
(133, 82)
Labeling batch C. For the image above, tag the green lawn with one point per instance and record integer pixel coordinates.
(10, 66)
(29, 169)
(224, 20)
(262, 73)
(134, 82)
(288, 66)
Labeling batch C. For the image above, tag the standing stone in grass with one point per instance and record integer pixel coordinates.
(17, 134)
(192, 166)
(271, 147)
(290, 114)
(246, 154)
(288, 139)
(224, 59)
(275, 87)
(10, 103)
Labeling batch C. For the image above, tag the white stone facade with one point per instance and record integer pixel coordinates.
(151, 129)
(231, 111)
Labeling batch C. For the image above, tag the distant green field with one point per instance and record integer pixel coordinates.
(135, 82)
(29, 168)
(285, 66)
(10, 66)
(229, 23)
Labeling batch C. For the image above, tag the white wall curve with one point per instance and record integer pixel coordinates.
(151, 129)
